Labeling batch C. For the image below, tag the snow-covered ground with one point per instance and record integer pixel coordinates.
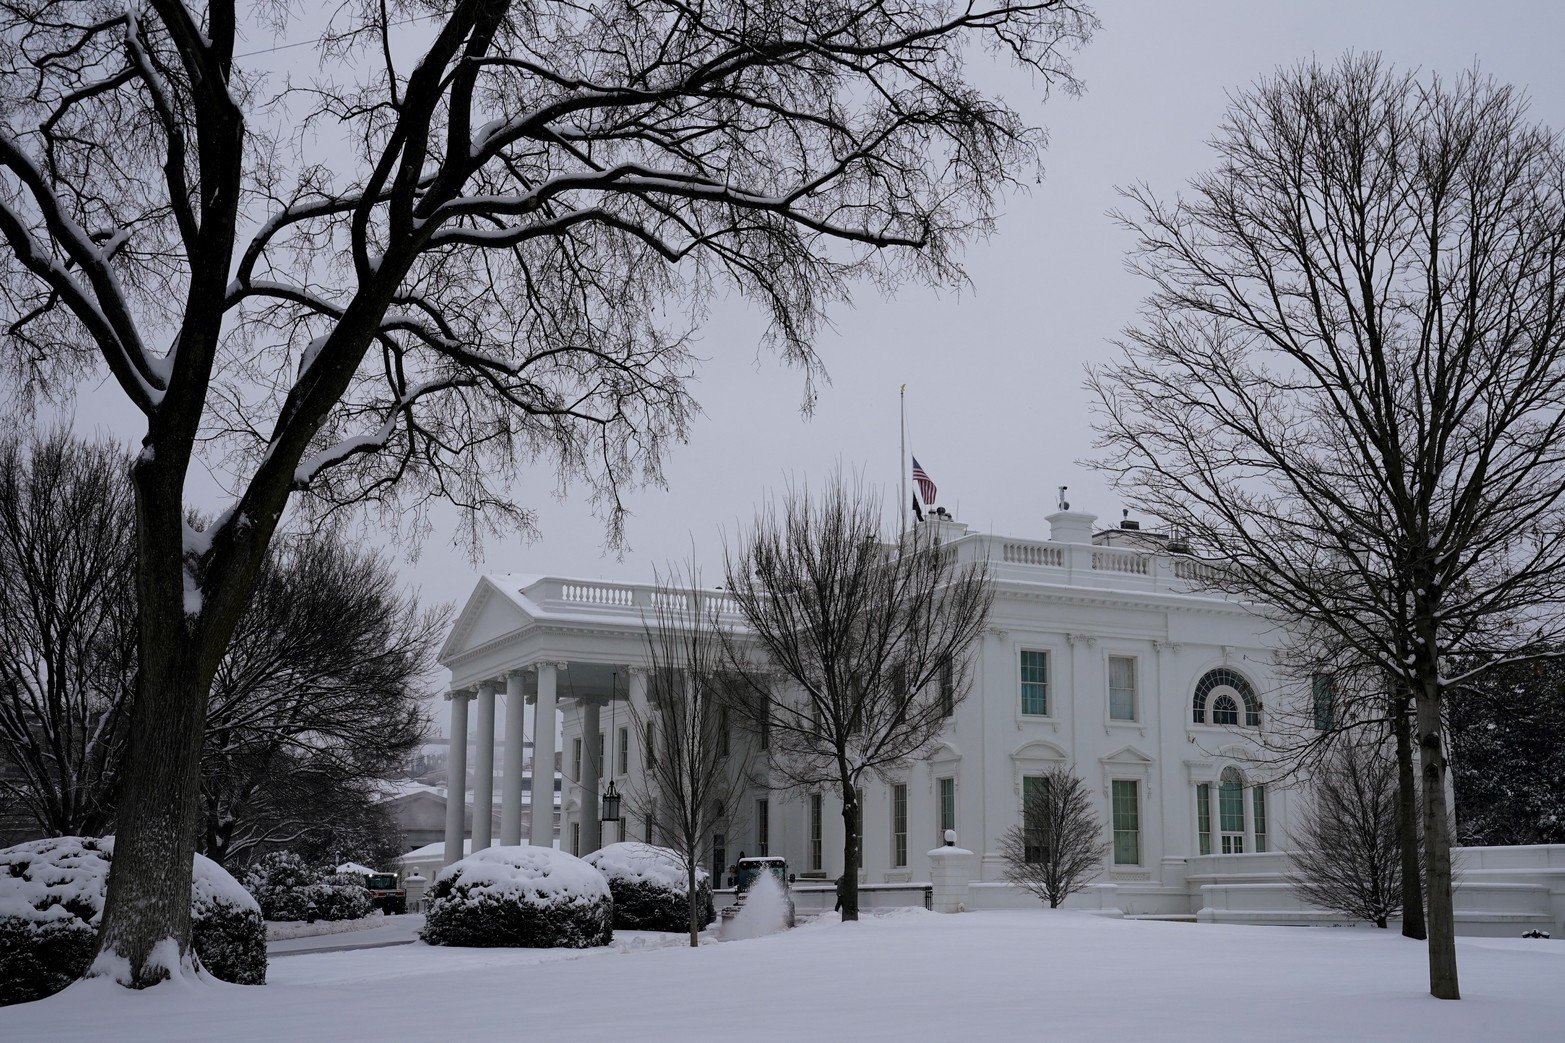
(370, 931)
(905, 974)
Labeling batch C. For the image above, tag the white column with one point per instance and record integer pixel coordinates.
(483, 779)
(591, 772)
(456, 775)
(541, 833)
(511, 774)
(637, 782)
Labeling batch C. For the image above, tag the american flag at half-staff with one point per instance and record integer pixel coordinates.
(926, 485)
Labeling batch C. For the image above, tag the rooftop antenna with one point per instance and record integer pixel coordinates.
(1062, 504)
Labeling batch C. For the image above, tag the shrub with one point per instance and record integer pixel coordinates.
(51, 902)
(650, 887)
(530, 897)
(287, 888)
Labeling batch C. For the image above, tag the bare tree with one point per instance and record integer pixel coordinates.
(696, 770)
(873, 637)
(67, 630)
(1346, 384)
(499, 271)
(1058, 846)
(1346, 854)
(316, 699)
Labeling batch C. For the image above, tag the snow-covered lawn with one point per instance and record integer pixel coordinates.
(283, 930)
(906, 974)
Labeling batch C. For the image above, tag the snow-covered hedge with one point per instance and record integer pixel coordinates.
(289, 889)
(530, 897)
(51, 902)
(650, 887)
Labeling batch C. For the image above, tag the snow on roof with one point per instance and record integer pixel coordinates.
(358, 870)
(636, 862)
(534, 875)
(435, 850)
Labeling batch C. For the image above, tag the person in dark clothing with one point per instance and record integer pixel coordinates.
(842, 886)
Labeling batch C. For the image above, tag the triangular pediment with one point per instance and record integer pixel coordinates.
(488, 613)
(1127, 755)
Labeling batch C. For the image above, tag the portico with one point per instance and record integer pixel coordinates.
(540, 648)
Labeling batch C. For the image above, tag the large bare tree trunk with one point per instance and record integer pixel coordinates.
(848, 891)
(1407, 821)
(1437, 846)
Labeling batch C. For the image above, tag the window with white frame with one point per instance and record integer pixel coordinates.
(623, 759)
(1258, 799)
(1122, 688)
(576, 758)
(1203, 816)
(1035, 682)
(815, 832)
(899, 824)
(763, 827)
(1125, 801)
(1035, 819)
(945, 794)
(1230, 810)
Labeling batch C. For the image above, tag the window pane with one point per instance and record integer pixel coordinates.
(1203, 814)
(815, 831)
(1035, 819)
(1321, 689)
(763, 827)
(1230, 807)
(1260, 817)
(1127, 823)
(947, 791)
(1035, 683)
(1122, 688)
(899, 825)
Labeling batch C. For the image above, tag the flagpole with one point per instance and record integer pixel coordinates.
(902, 507)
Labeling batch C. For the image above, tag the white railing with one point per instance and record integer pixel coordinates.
(598, 594)
(1131, 562)
(1017, 553)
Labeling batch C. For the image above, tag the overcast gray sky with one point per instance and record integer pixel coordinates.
(996, 411)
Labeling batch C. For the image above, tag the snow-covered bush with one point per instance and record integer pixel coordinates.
(289, 889)
(651, 888)
(51, 902)
(531, 897)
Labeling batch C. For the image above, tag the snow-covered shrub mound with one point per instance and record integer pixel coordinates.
(531, 897)
(289, 889)
(650, 887)
(51, 902)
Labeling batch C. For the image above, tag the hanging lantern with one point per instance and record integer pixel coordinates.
(609, 804)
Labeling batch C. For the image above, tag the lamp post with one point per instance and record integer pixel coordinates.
(609, 804)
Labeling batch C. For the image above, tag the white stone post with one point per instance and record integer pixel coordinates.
(591, 772)
(456, 775)
(483, 778)
(541, 833)
(951, 871)
(511, 774)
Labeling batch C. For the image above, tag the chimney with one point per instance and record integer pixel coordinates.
(1071, 526)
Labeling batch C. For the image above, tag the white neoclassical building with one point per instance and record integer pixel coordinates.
(1099, 655)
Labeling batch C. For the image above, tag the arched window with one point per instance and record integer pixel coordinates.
(1226, 689)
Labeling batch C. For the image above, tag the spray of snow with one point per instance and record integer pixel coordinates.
(765, 911)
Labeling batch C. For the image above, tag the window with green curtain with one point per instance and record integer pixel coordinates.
(899, 824)
(1122, 688)
(1260, 817)
(1127, 822)
(1324, 699)
(1203, 816)
(947, 792)
(1035, 828)
(1230, 806)
(1035, 683)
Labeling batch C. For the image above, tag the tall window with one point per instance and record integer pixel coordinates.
(1035, 683)
(947, 690)
(1323, 697)
(1127, 822)
(602, 764)
(576, 838)
(1203, 816)
(859, 833)
(946, 793)
(815, 831)
(1230, 810)
(1258, 795)
(622, 765)
(652, 747)
(650, 823)
(576, 758)
(763, 827)
(1122, 688)
(722, 731)
(899, 824)
(1035, 827)
(719, 857)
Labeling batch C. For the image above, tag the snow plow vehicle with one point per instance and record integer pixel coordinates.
(386, 894)
(749, 872)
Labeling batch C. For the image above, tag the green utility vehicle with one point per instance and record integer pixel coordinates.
(749, 870)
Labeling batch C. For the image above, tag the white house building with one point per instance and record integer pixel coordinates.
(1100, 654)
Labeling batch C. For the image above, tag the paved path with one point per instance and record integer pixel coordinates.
(398, 930)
